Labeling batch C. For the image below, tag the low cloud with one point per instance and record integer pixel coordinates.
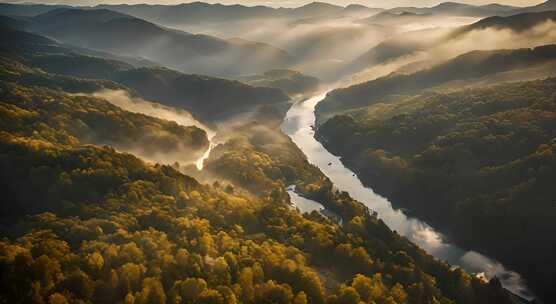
(177, 152)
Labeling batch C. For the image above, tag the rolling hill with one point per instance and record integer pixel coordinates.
(206, 13)
(466, 67)
(291, 82)
(477, 163)
(96, 225)
(37, 105)
(400, 45)
(207, 98)
(422, 41)
(125, 35)
(83, 222)
(201, 12)
(516, 23)
(27, 10)
(459, 9)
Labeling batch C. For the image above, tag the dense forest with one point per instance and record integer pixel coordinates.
(89, 224)
(462, 70)
(87, 119)
(103, 203)
(478, 162)
(84, 223)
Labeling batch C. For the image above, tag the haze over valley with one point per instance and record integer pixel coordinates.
(278, 152)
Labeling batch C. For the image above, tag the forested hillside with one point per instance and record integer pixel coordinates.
(106, 227)
(466, 68)
(479, 163)
(109, 31)
(291, 82)
(35, 104)
(84, 223)
(210, 99)
(516, 23)
(207, 98)
(165, 154)
(511, 29)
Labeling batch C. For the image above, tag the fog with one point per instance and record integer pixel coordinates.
(123, 100)
(487, 268)
(180, 153)
(491, 39)
(434, 46)
(421, 22)
(334, 50)
(318, 45)
(325, 45)
(334, 47)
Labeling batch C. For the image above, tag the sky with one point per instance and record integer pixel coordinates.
(291, 3)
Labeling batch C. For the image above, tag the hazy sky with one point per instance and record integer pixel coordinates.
(290, 3)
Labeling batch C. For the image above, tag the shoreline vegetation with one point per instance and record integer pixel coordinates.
(479, 154)
(93, 224)
(103, 204)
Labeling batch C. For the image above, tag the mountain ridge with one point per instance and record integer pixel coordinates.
(118, 33)
(194, 93)
(474, 64)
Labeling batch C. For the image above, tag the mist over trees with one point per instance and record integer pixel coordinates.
(106, 226)
(106, 111)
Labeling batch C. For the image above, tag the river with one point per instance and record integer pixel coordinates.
(298, 125)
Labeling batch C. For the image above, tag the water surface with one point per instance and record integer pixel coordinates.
(298, 125)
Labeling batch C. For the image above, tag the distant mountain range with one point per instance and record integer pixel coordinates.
(201, 12)
(117, 33)
(459, 9)
(415, 41)
(127, 29)
(516, 23)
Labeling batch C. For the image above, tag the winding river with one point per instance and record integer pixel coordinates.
(298, 125)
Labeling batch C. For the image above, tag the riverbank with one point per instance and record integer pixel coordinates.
(298, 125)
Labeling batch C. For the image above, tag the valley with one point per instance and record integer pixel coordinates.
(298, 125)
(211, 153)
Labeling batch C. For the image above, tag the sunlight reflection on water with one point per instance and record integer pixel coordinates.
(298, 125)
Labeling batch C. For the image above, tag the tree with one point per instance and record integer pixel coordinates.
(79, 284)
(57, 298)
(273, 293)
(300, 298)
(210, 296)
(151, 293)
(188, 290)
(347, 295)
(246, 283)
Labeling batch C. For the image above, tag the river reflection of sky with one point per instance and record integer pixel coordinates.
(304, 205)
(299, 126)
